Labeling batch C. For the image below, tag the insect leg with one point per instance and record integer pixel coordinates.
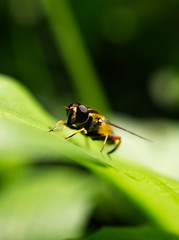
(55, 126)
(105, 140)
(80, 130)
(117, 141)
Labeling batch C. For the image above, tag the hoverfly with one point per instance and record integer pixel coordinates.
(91, 123)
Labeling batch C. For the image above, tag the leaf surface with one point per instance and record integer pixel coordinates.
(129, 233)
(24, 131)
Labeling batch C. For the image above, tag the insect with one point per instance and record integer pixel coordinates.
(91, 123)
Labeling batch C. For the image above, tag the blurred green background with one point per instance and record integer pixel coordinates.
(120, 57)
(128, 51)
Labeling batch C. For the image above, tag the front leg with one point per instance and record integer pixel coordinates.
(55, 126)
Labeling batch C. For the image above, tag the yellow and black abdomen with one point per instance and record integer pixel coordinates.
(96, 128)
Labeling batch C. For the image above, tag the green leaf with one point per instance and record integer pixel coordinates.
(24, 132)
(161, 155)
(53, 204)
(128, 233)
(16, 103)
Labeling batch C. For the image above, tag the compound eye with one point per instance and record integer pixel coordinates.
(83, 109)
(82, 113)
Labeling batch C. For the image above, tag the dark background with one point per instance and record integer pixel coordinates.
(133, 46)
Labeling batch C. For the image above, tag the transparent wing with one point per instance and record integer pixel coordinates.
(127, 131)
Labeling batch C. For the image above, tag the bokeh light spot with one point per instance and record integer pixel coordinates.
(119, 24)
(25, 12)
(164, 89)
